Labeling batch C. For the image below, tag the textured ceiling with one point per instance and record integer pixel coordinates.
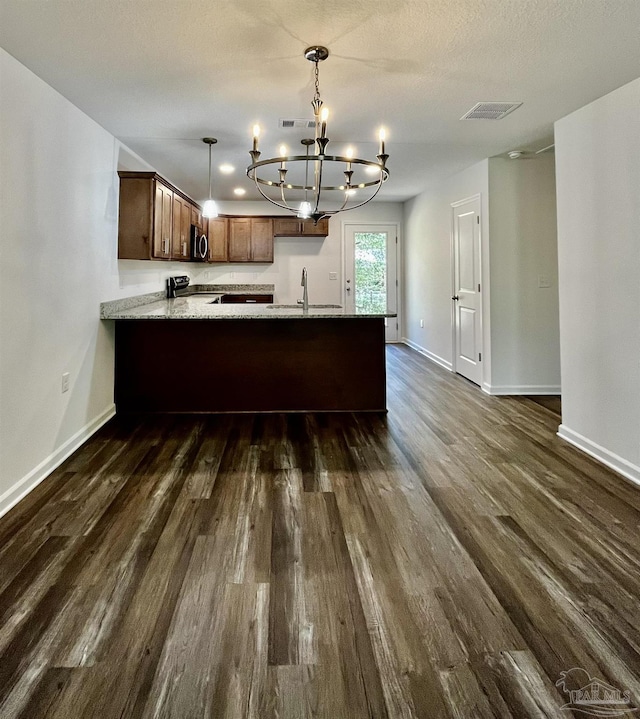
(161, 75)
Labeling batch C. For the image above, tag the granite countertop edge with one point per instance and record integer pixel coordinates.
(155, 306)
(107, 309)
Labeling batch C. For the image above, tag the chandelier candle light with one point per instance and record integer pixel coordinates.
(332, 175)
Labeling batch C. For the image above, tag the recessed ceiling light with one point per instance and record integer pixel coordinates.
(239, 191)
(227, 169)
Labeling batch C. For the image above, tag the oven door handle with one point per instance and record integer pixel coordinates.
(203, 247)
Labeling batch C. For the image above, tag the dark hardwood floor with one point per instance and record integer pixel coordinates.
(449, 560)
(552, 402)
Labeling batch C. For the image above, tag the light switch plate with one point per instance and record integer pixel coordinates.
(333, 275)
(544, 281)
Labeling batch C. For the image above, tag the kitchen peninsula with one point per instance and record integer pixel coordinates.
(190, 354)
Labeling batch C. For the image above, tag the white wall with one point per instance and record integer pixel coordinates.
(58, 220)
(598, 193)
(525, 334)
(518, 235)
(58, 261)
(427, 264)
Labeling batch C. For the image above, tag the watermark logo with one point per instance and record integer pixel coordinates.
(593, 697)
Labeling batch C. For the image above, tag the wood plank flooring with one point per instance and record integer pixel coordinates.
(552, 402)
(448, 560)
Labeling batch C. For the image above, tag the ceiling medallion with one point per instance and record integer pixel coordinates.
(317, 185)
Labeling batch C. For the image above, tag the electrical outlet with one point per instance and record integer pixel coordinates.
(544, 281)
(333, 275)
(421, 323)
(65, 382)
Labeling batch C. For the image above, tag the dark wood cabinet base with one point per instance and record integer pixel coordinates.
(280, 365)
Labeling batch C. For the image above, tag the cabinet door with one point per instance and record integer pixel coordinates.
(287, 227)
(196, 217)
(185, 231)
(163, 213)
(261, 240)
(319, 230)
(239, 239)
(218, 240)
(181, 227)
(135, 219)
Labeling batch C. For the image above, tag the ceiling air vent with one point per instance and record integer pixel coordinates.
(297, 124)
(490, 110)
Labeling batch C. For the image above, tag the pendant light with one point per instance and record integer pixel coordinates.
(305, 209)
(210, 209)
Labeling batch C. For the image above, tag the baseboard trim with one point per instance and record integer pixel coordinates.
(23, 486)
(610, 459)
(533, 389)
(429, 355)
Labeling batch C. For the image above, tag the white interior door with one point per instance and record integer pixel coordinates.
(370, 263)
(466, 297)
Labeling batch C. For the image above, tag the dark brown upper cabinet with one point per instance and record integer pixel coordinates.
(293, 227)
(181, 232)
(218, 234)
(250, 239)
(154, 219)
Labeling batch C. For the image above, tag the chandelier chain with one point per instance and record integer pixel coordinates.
(317, 82)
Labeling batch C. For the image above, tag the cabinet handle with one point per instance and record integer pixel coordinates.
(184, 249)
(165, 246)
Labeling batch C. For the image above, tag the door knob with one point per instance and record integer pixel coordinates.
(455, 297)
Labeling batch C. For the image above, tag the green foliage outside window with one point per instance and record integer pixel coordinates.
(371, 271)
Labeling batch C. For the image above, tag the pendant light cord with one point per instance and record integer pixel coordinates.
(209, 172)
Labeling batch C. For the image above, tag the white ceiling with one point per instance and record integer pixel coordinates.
(161, 75)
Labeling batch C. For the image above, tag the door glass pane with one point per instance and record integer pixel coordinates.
(370, 271)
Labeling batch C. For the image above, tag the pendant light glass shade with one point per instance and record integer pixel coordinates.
(210, 209)
(304, 211)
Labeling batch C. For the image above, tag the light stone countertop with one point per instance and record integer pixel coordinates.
(196, 307)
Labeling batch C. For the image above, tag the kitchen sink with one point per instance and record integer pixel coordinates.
(299, 307)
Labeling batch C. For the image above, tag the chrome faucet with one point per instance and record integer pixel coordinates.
(305, 295)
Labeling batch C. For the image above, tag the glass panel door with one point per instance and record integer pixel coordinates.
(370, 276)
(370, 272)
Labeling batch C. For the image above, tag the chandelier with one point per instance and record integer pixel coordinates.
(302, 184)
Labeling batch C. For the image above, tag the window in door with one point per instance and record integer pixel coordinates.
(370, 272)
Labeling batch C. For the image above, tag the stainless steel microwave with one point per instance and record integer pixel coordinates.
(199, 245)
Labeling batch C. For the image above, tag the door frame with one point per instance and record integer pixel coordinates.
(453, 206)
(399, 278)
